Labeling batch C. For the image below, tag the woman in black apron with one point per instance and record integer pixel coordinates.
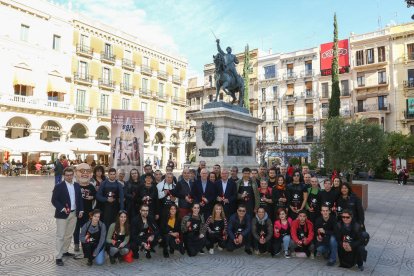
(171, 233)
(93, 237)
(117, 239)
(194, 230)
(216, 229)
(266, 198)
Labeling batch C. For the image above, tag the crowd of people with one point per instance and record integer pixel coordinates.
(267, 210)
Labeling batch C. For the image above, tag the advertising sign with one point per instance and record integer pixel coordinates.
(127, 138)
(326, 55)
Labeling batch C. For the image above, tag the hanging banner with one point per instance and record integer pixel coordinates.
(127, 137)
(326, 56)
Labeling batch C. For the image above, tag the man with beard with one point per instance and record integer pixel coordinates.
(297, 196)
(147, 169)
(329, 196)
(144, 233)
(165, 194)
(148, 194)
(83, 176)
(283, 172)
(272, 181)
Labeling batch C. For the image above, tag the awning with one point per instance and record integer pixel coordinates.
(23, 77)
(56, 84)
(88, 146)
(289, 92)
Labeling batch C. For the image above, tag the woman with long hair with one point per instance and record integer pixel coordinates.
(279, 195)
(216, 229)
(117, 238)
(131, 193)
(266, 197)
(92, 237)
(281, 233)
(171, 232)
(348, 200)
(194, 229)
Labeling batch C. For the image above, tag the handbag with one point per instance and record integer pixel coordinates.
(128, 258)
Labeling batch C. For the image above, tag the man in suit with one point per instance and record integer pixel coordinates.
(205, 193)
(183, 192)
(67, 199)
(227, 193)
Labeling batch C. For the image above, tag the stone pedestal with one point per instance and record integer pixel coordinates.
(234, 140)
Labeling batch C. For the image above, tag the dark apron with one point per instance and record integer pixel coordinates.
(249, 199)
(110, 210)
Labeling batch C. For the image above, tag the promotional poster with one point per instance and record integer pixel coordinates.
(326, 54)
(127, 136)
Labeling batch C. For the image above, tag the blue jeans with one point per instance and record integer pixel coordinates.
(332, 248)
(58, 179)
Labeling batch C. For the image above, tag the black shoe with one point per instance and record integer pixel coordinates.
(148, 255)
(112, 259)
(171, 250)
(361, 267)
(59, 262)
(89, 263)
(166, 255)
(248, 251)
(182, 250)
(201, 251)
(67, 254)
(136, 255)
(120, 259)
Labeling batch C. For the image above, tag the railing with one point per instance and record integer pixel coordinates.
(374, 107)
(161, 121)
(145, 92)
(127, 88)
(82, 78)
(308, 94)
(408, 115)
(268, 76)
(369, 35)
(177, 123)
(149, 120)
(177, 100)
(308, 73)
(176, 79)
(162, 74)
(345, 93)
(84, 50)
(289, 97)
(195, 107)
(103, 112)
(57, 104)
(289, 139)
(162, 96)
(310, 139)
(106, 83)
(410, 56)
(128, 64)
(345, 113)
(408, 84)
(145, 69)
(289, 76)
(107, 57)
(83, 110)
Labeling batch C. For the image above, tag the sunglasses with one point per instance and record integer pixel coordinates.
(346, 217)
(85, 171)
(296, 175)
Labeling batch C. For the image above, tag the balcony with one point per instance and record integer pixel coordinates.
(195, 107)
(159, 121)
(84, 51)
(289, 97)
(106, 84)
(310, 139)
(108, 58)
(345, 93)
(162, 75)
(361, 66)
(268, 77)
(102, 112)
(149, 120)
(145, 93)
(408, 116)
(128, 64)
(146, 70)
(30, 102)
(307, 73)
(345, 113)
(178, 101)
(290, 140)
(162, 97)
(290, 76)
(127, 89)
(409, 88)
(325, 95)
(374, 108)
(372, 85)
(83, 110)
(83, 79)
(289, 119)
(308, 94)
(177, 124)
(176, 79)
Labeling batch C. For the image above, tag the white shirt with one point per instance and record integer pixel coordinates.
(224, 185)
(71, 190)
(164, 186)
(245, 183)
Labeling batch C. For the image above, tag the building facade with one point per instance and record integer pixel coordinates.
(62, 85)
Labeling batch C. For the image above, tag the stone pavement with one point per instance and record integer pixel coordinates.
(27, 231)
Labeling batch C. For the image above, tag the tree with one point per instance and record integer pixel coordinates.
(399, 145)
(352, 145)
(335, 102)
(246, 71)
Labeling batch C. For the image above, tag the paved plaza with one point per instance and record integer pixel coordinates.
(27, 231)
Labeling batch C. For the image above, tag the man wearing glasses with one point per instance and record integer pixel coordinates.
(239, 229)
(297, 196)
(88, 191)
(67, 199)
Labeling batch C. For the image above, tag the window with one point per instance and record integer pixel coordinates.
(175, 114)
(144, 108)
(274, 89)
(144, 84)
(162, 66)
(264, 133)
(56, 42)
(309, 133)
(270, 71)
(125, 104)
(309, 109)
(290, 89)
(55, 96)
(263, 113)
(359, 57)
(128, 54)
(24, 32)
(344, 87)
(275, 117)
(83, 70)
(80, 99)
(145, 61)
(382, 103)
(410, 51)
(291, 131)
(309, 87)
(106, 75)
(127, 80)
(210, 80)
(382, 77)
(360, 106)
(291, 110)
(381, 54)
(308, 67)
(325, 90)
(275, 133)
(361, 79)
(176, 92)
(108, 50)
(410, 73)
(84, 40)
(161, 88)
(160, 112)
(104, 103)
(289, 68)
(263, 94)
(370, 55)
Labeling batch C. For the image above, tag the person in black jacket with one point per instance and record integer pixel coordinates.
(130, 193)
(204, 192)
(148, 194)
(144, 233)
(297, 195)
(329, 196)
(262, 231)
(183, 192)
(348, 200)
(351, 249)
(171, 232)
(227, 193)
(239, 230)
(194, 231)
(326, 243)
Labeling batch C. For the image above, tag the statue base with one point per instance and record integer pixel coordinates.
(234, 142)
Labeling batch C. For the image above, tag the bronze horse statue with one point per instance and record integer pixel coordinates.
(227, 81)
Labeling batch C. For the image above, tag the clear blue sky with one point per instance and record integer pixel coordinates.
(283, 25)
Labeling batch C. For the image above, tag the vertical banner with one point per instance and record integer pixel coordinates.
(127, 138)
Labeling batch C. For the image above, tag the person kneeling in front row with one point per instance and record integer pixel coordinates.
(239, 230)
(92, 237)
(302, 234)
(325, 236)
(194, 230)
(262, 232)
(216, 229)
(117, 238)
(171, 232)
(281, 233)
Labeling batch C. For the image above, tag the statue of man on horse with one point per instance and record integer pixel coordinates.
(226, 76)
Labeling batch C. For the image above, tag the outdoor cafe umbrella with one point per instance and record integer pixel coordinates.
(89, 146)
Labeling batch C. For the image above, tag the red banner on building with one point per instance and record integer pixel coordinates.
(127, 140)
(326, 55)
